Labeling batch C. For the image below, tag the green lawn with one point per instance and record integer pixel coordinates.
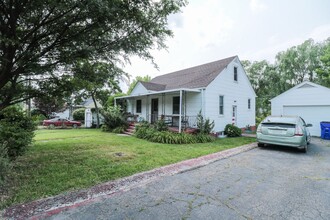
(63, 160)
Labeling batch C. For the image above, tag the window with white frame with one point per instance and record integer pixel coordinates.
(235, 74)
(221, 104)
(249, 103)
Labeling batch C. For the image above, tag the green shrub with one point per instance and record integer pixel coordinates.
(145, 131)
(113, 118)
(16, 131)
(204, 125)
(37, 119)
(119, 130)
(4, 163)
(160, 125)
(35, 112)
(79, 114)
(203, 138)
(232, 131)
(105, 128)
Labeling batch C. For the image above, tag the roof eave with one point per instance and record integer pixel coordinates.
(160, 92)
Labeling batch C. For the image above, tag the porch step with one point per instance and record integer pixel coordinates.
(130, 130)
(128, 133)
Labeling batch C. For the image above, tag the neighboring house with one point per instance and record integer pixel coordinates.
(90, 114)
(87, 104)
(221, 90)
(64, 114)
(307, 100)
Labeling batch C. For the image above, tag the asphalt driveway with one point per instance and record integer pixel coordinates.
(263, 183)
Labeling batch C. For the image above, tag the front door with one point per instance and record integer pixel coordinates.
(234, 114)
(154, 110)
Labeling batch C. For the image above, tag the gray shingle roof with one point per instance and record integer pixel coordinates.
(194, 77)
(153, 86)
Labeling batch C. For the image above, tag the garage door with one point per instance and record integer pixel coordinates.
(311, 114)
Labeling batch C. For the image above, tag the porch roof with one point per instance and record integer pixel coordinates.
(158, 92)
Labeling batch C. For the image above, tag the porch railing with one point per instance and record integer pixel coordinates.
(173, 120)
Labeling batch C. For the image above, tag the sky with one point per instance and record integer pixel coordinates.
(210, 30)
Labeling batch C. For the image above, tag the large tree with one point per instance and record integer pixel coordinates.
(266, 82)
(96, 80)
(41, 39)
(323, 72)
(299, 63)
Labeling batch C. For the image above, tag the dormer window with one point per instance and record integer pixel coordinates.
(235, 74)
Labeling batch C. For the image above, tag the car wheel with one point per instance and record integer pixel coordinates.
(304, 150)
(261, 145)
(51, 126)
(74, 126)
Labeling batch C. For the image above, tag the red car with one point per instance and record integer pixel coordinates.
(57, 122)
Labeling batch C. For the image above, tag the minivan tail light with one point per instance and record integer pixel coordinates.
(299, 131)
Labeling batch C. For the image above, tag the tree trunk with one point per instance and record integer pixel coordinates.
(97, 111)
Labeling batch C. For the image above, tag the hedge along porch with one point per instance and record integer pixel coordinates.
(221, 90)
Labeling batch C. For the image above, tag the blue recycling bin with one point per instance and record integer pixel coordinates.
(325, 130)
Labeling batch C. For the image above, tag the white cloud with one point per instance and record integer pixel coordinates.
(318, 34)
(206, 24)
(202, 27)
(175, 20)
(213, 29)
(321, 33)
(257, 5)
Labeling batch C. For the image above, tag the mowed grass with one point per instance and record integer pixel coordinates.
(65, 160)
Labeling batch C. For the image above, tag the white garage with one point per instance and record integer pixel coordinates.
(307, 100)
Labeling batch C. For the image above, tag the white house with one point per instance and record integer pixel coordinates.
(307, 100)
(221, 90)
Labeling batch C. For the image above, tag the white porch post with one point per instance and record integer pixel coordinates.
(147, 109)
(180, 111)
(163, 104)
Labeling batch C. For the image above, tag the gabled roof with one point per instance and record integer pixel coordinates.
(194, 77)
(305, 84)
(153, 86)
(89, 103)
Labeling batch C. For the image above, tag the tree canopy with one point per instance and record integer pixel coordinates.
(40, 40)
(323, 71)
(307, 61)
(96, 80)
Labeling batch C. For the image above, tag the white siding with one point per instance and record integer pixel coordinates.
(307, 100)
(300, 96)
(139, 89)
(193, 103)
(235, 93)
(311, 114)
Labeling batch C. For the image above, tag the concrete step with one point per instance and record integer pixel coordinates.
(128, 133)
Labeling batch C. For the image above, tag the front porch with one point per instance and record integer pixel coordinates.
(170, 106)
(188, 123)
